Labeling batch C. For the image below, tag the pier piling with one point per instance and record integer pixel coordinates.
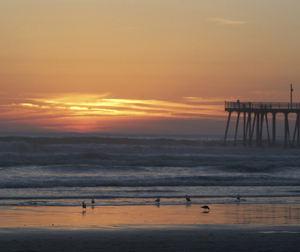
(260, 111)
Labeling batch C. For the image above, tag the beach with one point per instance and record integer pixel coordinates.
(44, 182)
(227, 227)
(225, 238)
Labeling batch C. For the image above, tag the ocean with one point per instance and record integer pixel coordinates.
(135, 170)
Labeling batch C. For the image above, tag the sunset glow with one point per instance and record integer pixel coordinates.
(155, 67)
(94, 110)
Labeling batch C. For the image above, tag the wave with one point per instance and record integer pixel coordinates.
(107, 197)
(131, 200)
(14, 144)
(100, 140)
(139, 160)
(121, 162)
(99, 181)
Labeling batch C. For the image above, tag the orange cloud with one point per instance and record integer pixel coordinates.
(82, 112)
(95, 105)
(222, 21)
(91, 113)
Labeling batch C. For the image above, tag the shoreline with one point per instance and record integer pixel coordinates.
(148, 216)
(235, 227)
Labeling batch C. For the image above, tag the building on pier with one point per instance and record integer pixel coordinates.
(255, 118)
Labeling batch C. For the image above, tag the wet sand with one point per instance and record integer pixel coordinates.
(234, 227)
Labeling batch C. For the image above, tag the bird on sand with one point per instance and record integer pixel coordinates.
(238, 197)
(93, 201)
(157, 200)
(83, 205)
(187, 198)
(206, 209)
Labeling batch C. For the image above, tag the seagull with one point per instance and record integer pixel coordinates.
(157, 200)
(83, 205)
(187, 198)
(238, 197)
(93, 201)
(206, 209)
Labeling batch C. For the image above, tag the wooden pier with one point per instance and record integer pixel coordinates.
(256, 115)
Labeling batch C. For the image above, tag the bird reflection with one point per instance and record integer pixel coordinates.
(206, 209)
(83, 206)
(188, 200)
(157, 202)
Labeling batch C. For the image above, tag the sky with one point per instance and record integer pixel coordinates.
(142, 67)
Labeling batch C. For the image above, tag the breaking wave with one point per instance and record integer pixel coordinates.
(124, 167)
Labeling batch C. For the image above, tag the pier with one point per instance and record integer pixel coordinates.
(255, 119)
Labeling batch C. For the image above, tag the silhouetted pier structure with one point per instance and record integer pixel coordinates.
(256, 114)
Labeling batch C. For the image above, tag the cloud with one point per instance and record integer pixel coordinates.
(83, 111)
(222, 21)
(70, 105)
(201, 100)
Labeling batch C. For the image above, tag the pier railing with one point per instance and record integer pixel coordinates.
(261, 105)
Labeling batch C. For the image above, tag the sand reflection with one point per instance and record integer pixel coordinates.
(145, 216)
